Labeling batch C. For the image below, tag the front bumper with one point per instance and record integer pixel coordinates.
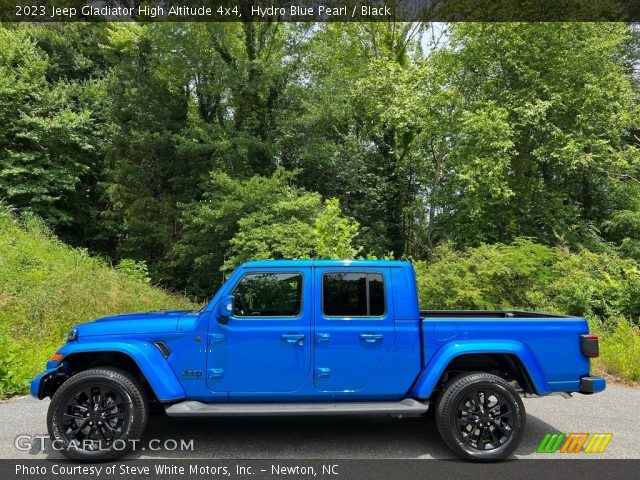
(47, 382)
(592, 384)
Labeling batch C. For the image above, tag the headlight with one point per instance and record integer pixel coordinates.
(72, 336)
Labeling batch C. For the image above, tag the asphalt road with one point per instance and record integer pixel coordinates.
(616, 410)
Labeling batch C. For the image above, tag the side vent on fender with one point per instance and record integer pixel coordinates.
(163, 348)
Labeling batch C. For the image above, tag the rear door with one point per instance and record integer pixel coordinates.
(354, 326)
(265, 345)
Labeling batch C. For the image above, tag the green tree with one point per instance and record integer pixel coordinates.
(484, 134)
(46, 134)
(336, 233)
(567, 102)
(257, 218)
(341, 138)
(146, 110)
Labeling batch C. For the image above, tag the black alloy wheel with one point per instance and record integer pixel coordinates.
(97, 414)
(484, 419)
(480, 417)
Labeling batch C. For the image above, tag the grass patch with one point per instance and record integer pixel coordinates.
(620, 351)
(46, 287)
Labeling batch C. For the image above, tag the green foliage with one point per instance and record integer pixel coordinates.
(40, 137)
(48, 136)
(14, 375)
(145, 112)
(137, 270)
(568, 109)
(259, 218)
(624, 228)
(342, 139)
(209, 226)
(300, 227)
(46, 287)
(431, 138)
(284, 229)
(484, 134)
(620, 350)
(528, 276)
(335, 233)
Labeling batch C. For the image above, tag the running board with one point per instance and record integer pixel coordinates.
(407, 406)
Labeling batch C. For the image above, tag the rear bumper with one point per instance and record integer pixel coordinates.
(592, 384)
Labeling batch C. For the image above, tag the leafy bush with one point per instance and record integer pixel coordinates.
(46, 287)
(525, 275)
(137, 270)
(13, 378)
(620, 350)
(256, 218)
(335, 233)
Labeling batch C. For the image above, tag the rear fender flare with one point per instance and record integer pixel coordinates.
(436, 367)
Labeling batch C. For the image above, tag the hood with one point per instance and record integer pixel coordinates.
(164, 321)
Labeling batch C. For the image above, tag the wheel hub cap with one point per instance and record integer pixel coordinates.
(484, 419)
(95, 417)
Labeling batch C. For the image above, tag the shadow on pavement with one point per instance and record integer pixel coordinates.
(303, 437)
(316, 437)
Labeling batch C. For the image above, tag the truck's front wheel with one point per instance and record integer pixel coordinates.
(97, 414)
(480, 417)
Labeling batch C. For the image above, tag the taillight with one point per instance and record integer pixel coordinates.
(589, 345)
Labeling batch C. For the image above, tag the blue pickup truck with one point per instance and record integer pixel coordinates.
(320, 337)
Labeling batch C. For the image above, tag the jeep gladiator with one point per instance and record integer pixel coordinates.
(299, 337)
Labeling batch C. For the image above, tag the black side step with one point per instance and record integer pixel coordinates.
(407, 406)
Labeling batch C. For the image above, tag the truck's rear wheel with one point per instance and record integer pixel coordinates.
(97, 415)
(480, 417)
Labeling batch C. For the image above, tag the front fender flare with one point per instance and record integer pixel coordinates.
(433, 371)
(145, 355)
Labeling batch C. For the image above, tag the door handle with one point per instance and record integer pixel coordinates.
(371, 337)
(293, 338)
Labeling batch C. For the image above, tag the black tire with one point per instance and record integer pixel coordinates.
(480, 417)
(97, 415)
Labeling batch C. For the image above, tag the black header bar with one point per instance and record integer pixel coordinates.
(320, 10)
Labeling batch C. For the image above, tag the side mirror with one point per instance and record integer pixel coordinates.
(225, 309)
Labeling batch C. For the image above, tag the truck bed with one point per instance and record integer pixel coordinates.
(471, 314)
(548, 344)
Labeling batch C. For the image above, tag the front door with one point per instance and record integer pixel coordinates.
(264, 346)
(354, 327)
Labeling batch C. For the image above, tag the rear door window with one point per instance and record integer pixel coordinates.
(353, 294)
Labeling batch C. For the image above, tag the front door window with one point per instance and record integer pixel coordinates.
(268, 295)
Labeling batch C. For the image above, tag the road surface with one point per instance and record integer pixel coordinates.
(617, 410)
